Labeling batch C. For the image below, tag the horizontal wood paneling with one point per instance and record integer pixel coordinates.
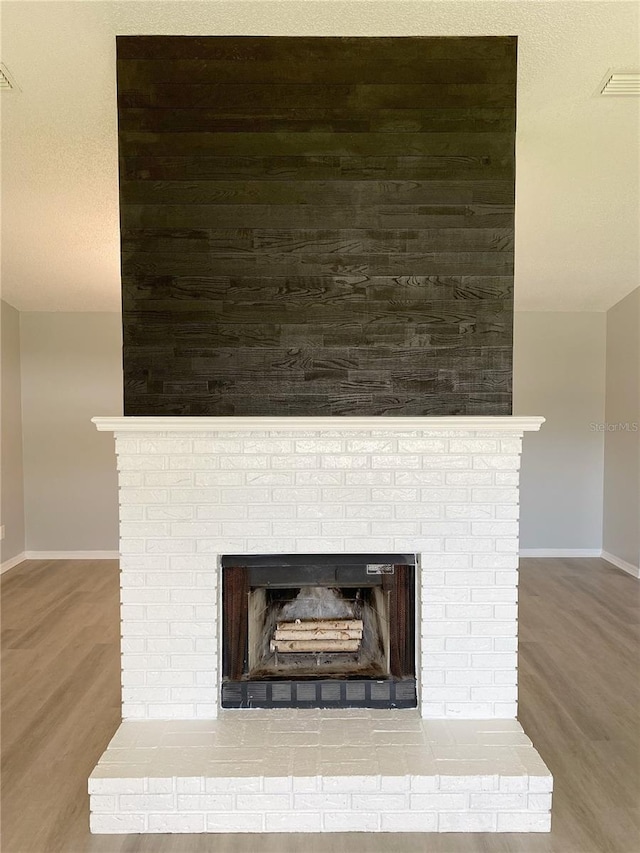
(317, 225)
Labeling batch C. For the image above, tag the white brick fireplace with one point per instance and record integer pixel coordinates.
(444, 489)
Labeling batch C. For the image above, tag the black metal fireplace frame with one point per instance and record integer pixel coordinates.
(395, 573)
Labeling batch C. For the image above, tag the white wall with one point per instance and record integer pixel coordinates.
(621, 447)
(11, 488)
(559, 372)
(71, 371)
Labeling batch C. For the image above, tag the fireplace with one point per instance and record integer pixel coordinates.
(318, 630)
(236, 536)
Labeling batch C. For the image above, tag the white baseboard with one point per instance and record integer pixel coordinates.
(13, 561)
(621, 564)
(560, 552)
(71, 555)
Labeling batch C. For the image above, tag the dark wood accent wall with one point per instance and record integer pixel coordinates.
(317, 225)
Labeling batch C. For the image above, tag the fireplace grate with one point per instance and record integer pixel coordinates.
(354, 693)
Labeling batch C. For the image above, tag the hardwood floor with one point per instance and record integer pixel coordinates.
(579, 702)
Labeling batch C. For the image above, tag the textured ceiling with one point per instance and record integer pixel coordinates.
(578, 180)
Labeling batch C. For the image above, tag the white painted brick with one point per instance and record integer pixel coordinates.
(176, 823)
(508, 545)
(469, 784)
(103, 804)
(320, 511)
(396, 461)
(237, 784)
(218, 478)
(167, 478)
(235, 822)
(473, 445)
(269, 478)
(508, 511)
(265, 511)
(350, 822)
(248, 495)
(216, 446)
(129, 462)
(496, 594)
(346, 528)
(445, 495)
(262, 802)
(193, 463)
(146, 802)
(250, 463)
(348, 784)
(445, 561)
(493, 628)
(417, 511)
(446, 463)
(469, 579)
(496, 561)
(371, 544)
(319, 478)
(418, 478)
(317, 445)
(445, 528)
(498, 801)
(205, 802)
(292, 822)
(439, 801)
(409, 822)
(297, 528)
(466, 822)
(468, 611)
(422, 445)
(506, 478)
(267, 445)
(468, 478)
(115, 785)
(393, 495)
(494, 528)
(524, 822)
(379, 802)
(469, 710)
(167, 711)
(169, 513)
(132, 513)
(468, 644)
(539, 802)
(340, 495)
(294, 463)
(165, 446)
(371, 445)
(117, 824)
(368, 478)
(320, 545)
(540, 783)
(344, 462)
(497, 495)
(497, 661)
(424, 784)
(321, 802)
(194, 496)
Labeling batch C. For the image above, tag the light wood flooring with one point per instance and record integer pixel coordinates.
(579, 702)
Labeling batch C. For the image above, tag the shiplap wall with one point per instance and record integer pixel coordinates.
(317, 225)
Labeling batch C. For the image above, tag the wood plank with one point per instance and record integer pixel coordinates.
(137, 143)
(318, 634)
(319, 645)
(322, 624)
(303, 50)
(412, 167)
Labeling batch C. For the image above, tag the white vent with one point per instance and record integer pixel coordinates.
(7, 83)
(620, 83)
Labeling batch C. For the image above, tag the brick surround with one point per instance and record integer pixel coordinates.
(192, 489)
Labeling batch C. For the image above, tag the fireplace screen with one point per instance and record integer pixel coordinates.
(319, 631)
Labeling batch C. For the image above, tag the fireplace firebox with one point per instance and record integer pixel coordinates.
(318, 630)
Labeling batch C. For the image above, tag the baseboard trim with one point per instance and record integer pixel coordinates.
(629, 568)
(71, 555)
(560, 552)
(12, 562)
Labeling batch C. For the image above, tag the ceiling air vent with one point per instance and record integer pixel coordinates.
(620, 83)
(7, 83)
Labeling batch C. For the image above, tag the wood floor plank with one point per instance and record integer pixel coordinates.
(579, 702)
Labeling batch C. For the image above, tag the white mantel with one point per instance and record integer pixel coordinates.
(482, 423)
(443, 488)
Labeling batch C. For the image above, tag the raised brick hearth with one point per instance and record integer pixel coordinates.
(444, 489)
